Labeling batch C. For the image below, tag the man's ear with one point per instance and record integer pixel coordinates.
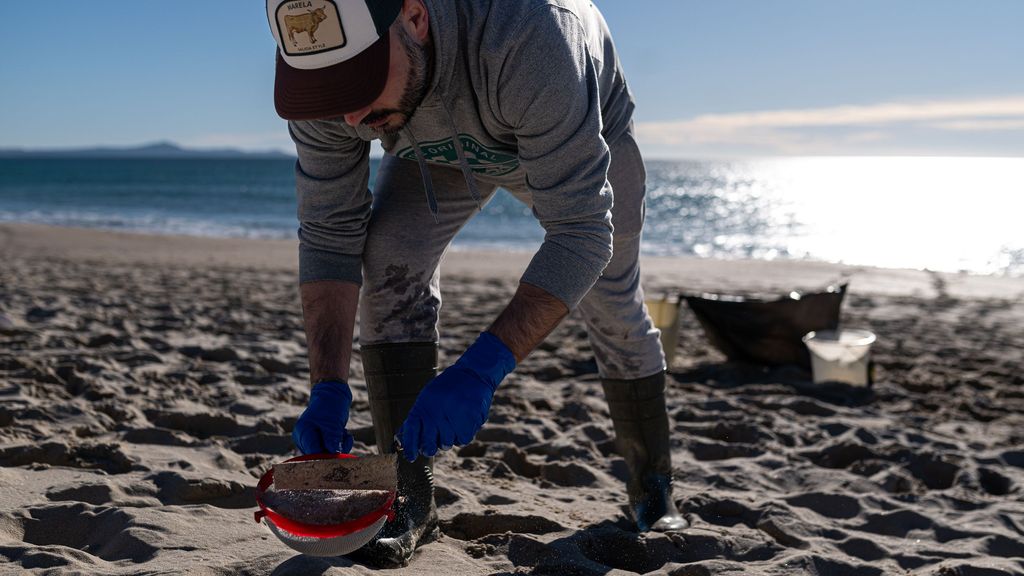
(416, 19)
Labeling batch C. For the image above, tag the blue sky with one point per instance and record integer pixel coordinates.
(712, 78)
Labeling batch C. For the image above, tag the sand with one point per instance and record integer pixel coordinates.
(326, 507)
(147, 382)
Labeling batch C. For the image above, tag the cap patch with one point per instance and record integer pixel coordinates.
(309, 27)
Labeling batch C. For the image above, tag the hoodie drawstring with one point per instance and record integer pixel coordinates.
(428, 183)
(467, 173)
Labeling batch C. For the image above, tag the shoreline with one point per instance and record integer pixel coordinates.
(661, 274)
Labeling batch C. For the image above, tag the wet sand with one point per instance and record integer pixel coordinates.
(146, 382)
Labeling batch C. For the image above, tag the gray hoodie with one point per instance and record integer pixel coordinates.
(533, 90)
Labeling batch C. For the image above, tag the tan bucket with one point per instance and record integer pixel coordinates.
(665, 315)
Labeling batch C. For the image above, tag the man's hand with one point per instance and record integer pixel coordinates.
(329, 313)
(321, 428)
(452, 407)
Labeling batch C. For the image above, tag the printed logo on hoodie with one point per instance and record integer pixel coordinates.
(481, 159)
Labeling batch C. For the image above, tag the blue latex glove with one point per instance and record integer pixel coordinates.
(452, 407)
(321, 427)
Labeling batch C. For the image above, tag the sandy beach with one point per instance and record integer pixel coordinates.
(146, 382)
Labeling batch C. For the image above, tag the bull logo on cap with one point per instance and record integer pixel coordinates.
(307, 22)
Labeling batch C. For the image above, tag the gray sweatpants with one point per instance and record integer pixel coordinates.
(401, 294)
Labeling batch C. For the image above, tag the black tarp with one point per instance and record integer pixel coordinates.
(767, 331)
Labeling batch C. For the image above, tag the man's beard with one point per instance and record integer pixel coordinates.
(421, 70)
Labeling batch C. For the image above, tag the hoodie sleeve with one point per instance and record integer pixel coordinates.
(331, 185)
(548, 94)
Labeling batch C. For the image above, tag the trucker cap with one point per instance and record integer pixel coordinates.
(332, 55)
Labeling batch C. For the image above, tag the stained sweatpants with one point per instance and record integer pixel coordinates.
(401, 295)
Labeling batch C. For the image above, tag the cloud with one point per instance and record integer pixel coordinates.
(941, 127)
(981, 125)
(833, 129)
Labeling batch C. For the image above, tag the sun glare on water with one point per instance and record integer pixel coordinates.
(946, 214)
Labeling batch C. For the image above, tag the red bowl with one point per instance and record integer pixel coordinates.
(318, 530)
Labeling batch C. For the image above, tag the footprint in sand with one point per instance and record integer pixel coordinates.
(707, 451)
(101, 532)
(866, 550)
(815, 564)
(497, 500)
(519, 436)
(994, 483)
(828, 505)
(159, 436)
(470, 526)
(931, 469)
(597, 550)
(176, 489)
(199, 424)
(263, 443)
(96, 494)
(107, 457)
(222, 354)
(563, 474)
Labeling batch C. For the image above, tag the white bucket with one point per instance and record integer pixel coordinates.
(665, 315)
(840, 355)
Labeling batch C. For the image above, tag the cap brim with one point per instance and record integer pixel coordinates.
(335, 90)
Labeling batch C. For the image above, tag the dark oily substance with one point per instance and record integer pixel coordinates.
(325, 507)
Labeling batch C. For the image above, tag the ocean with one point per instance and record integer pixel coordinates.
(948, 214)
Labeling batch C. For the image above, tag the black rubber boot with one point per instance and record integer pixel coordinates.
(395, 374)
(641, 437)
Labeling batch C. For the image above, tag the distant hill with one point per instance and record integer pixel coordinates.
(155, 150)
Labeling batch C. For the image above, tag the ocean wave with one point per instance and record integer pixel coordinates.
(150, 224)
